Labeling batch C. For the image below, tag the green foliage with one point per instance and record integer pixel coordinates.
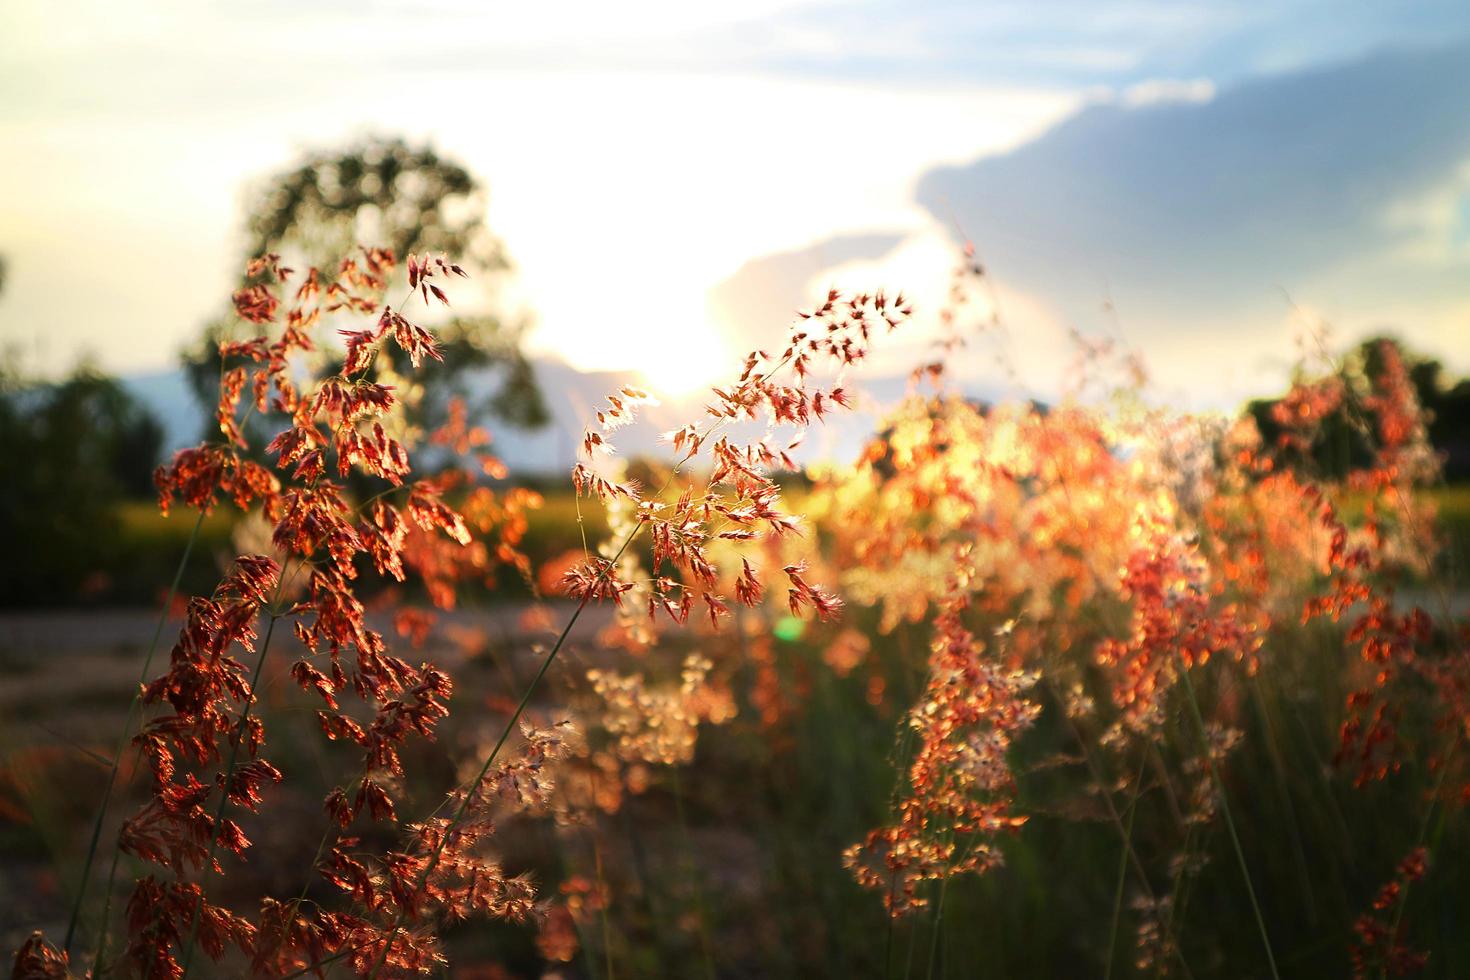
(1318, 848)
(75, 449)
(1342, 446)
(384, 192)
(376, 191)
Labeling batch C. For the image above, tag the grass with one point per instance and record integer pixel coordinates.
(1453, 505)
(805, 795)
(769, 807)
(137, 567)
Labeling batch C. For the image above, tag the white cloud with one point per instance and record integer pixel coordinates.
(1163, 90)
(635, 154)
(622, 196)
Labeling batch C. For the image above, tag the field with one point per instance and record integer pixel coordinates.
(1093, 689)
(150, 542)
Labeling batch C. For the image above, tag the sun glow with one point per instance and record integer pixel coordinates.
(693, 360)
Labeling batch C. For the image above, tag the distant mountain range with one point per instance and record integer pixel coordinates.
(572, 396)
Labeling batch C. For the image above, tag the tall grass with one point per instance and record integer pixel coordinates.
(1110, 689)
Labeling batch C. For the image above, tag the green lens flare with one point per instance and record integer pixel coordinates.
(789, 629)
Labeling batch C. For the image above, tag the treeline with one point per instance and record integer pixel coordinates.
(79, 450)
(1342, 445)
(74, 450)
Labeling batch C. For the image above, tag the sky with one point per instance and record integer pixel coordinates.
(671, 178)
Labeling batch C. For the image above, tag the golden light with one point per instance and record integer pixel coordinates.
(688, 365)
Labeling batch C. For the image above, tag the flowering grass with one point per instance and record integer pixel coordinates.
(1098, 688)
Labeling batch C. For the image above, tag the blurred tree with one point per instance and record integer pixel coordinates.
(1449, 425)
(381, 191)
(1341, 444)
(78, 448)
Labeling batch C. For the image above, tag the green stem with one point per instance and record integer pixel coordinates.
(908, 967)
(1273, 745)
(122, 744)
(1122, 873)
(645, 885)
(1204, 736)
(938, 927)
(602, 900)
(1403, 900)
(689, 865)
(490, 760)
(900, 766)
(1102, 781)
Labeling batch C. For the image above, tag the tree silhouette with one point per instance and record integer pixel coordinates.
(1341, 444)
(82, 445)
(382, 191)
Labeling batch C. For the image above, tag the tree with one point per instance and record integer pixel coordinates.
(1342, 445)
(382, 191)
(78, 448)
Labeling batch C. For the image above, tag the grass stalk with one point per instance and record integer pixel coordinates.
(224, 800)
(701, 913)
(602, 900)
(520, 708)
(1403, 898)
(1122, 874)
(1250, 889)
(510, 724)
(938, 928)
(122, 744)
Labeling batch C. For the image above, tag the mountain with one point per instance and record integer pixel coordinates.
(572, 397)
(168, 396)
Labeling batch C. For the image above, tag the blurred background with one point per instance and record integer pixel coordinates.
(644, 194)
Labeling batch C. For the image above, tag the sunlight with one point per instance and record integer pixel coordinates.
(693, 360)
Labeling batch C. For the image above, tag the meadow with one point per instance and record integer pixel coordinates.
(1097, 688)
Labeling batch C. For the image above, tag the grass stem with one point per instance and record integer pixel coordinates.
(1204, 736)
(122, 744)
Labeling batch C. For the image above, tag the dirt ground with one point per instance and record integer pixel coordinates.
(50, 656)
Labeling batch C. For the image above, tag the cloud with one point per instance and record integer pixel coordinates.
(758, 301)
(1200, 216)
(1155, 91)
(642, 153)
(1028, 357)
(1346, 181)
(1275, 178)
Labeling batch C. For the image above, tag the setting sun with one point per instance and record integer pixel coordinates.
(687, 365)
